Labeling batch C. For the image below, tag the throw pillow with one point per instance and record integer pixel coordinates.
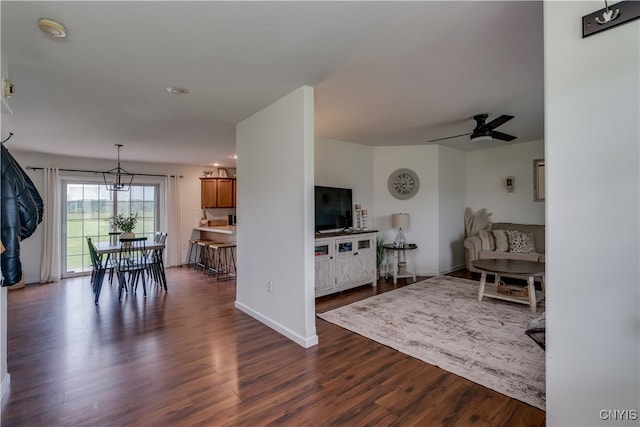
(520, 242)
(502, 242)
(487, 240)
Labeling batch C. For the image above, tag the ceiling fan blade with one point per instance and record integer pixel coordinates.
(448, 137)
(503, 136)
(498, 122)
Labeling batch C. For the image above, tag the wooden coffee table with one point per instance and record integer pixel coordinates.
(529, 269)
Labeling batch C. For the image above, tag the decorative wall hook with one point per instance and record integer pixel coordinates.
(608, 15)
(606, 18)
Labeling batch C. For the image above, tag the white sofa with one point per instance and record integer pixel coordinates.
(474, 250)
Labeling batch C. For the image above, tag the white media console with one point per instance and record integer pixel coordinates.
(344, 261)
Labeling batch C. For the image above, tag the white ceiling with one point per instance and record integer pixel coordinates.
(384, 73)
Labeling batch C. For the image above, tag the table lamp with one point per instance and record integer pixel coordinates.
(400, 221)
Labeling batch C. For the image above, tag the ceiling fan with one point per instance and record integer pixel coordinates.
(485, 131)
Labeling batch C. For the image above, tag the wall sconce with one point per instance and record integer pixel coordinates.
(509, 184)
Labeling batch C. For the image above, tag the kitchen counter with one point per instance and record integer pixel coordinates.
(222, 229)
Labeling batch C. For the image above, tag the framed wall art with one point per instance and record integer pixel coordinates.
(538, 180)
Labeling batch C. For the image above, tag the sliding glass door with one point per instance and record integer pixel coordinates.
(87, 211)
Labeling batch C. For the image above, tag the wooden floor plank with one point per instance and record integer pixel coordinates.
(189, 357)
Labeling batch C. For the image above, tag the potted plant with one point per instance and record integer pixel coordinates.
(379, 251)
(126, 224)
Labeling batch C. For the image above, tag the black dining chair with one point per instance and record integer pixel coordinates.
(156, 262)
(132, 264)
(99, 268)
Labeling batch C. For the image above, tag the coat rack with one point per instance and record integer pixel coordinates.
(609, 17)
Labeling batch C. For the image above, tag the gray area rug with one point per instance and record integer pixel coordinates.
(441, 322)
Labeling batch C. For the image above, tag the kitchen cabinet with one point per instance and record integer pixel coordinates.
(218, 192)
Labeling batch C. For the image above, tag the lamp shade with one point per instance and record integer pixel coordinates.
(400, 220)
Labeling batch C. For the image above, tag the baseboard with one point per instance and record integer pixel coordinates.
(305, 342)
(6, 381)
(452, 269)
(425, 274)
(441, 272)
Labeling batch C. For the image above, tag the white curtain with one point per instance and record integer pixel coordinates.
(172, 249)
(52, 226)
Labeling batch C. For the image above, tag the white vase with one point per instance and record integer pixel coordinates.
(127, 235)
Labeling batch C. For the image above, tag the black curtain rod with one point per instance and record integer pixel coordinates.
(32, 168)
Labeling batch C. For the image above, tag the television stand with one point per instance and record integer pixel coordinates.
(344, 261)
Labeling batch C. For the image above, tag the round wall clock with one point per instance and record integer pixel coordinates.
(403, 184)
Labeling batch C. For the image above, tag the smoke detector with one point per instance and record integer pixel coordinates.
(52, 28)
(177, 90)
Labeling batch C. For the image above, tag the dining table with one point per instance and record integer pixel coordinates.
(110, 249)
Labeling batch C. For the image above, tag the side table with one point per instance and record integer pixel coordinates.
(400, 268)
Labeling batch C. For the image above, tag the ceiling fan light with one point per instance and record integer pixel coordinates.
(481, 138)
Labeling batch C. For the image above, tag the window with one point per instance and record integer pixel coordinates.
(87, 211)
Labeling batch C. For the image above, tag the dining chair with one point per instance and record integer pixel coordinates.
(156, 262)
(132, 264)
(99, 268)
(159, 237)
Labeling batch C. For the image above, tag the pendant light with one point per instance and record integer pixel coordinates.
(118, 179)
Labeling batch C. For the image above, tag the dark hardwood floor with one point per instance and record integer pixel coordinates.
(188, 357)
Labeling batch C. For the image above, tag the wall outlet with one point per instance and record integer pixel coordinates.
(269, 286)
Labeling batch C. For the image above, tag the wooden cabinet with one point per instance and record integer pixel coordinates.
(218, 192)
(344, 262)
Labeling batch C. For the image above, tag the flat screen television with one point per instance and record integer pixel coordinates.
(333, 208)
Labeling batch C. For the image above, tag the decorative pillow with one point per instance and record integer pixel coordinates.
(520, 242)
(488, 242)
(502, 242)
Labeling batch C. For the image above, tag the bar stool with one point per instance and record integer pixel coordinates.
(226, 259)
(210, 261)
(193, 250)
(214, 258)
(203, 260)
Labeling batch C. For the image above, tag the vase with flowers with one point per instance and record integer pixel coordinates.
(126, 224)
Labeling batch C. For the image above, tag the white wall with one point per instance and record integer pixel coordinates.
(486, 171)
(592, 109)
(4, 375)
(276, 227)
(423, 208)
(452, 194)
(189, 197)
(346, 165)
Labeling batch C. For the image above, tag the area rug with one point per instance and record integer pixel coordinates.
(441, 322)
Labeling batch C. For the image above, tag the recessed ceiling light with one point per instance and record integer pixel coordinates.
(52, 28)
(177, 90)
(235, 156)
(216, 164)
